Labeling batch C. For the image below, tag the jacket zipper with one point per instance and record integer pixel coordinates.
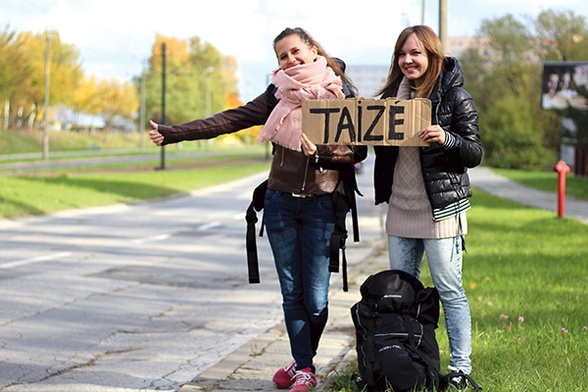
(305, 174)
(305, 169)
(282, 157)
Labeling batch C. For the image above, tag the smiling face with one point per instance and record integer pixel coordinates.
(413, 60)
(292, 50)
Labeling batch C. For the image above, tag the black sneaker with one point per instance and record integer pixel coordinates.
(458, 382)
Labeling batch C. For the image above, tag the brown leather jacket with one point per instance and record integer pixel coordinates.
(291, 171)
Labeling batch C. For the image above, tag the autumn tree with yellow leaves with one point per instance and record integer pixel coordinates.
(199, 81)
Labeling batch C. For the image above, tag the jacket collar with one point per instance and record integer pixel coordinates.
(451, 76)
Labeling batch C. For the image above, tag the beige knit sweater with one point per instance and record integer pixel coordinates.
(410, 213)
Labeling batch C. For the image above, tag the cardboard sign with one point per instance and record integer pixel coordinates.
(359, 121)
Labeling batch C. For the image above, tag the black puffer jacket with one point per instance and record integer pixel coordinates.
(444, 168)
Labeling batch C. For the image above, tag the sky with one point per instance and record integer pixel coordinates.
(116, 37)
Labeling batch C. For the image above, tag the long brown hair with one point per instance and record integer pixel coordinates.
(435, 55)
(336, 64)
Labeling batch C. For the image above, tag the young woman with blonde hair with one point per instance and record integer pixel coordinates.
(427, 188)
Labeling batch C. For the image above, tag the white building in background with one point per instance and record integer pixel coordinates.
(368, 78)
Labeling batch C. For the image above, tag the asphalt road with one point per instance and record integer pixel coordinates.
(130, 297)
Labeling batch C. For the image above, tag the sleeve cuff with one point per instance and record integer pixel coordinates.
(449, 141)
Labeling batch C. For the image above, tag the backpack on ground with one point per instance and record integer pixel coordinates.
(395, 323)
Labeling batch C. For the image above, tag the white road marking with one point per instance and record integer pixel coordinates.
(209, 226)
(160, 237)
(35, 260)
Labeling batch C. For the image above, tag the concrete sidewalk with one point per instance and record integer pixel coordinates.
(491, 182)
(251, 367)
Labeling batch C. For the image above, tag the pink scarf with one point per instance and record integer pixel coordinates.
(306, 81)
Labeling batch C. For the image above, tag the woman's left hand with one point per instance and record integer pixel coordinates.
(433, 134)
(308, 147)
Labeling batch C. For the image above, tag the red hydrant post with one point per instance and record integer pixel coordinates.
(562, 169)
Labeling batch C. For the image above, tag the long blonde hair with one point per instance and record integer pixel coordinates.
(435, 55)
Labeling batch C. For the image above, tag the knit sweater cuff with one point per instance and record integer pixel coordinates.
(449, 140)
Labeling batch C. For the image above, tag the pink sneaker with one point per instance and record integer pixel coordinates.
(284, 377)
(305, 381)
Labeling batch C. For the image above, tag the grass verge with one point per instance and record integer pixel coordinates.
(55, 190)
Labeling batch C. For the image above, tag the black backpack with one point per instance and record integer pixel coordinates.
(395, 324)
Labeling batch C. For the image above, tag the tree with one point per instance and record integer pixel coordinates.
(65, 68)
(86, 96)
(198, 77)
(23, 60)
(116, 101)
(14, 67)
(513, 142)
(509, 70)
(15, 70)
(511, 62)
(561, 36)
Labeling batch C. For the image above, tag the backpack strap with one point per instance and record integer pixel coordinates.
(344, 201)
(432, 371)
(250, 241)
(339, 235)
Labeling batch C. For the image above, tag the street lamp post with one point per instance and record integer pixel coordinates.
(142, 110)
(46, 108)
(209, 71)
(443, 35)
(423, 3)
(163, 71)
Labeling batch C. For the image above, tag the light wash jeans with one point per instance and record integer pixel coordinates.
(299, 231)
(445, 264)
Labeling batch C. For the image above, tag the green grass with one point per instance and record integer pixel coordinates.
(55, 190)
(15, 142)
(522, 263)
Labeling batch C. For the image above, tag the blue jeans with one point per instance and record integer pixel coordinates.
(299, 232)
(445, 264)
